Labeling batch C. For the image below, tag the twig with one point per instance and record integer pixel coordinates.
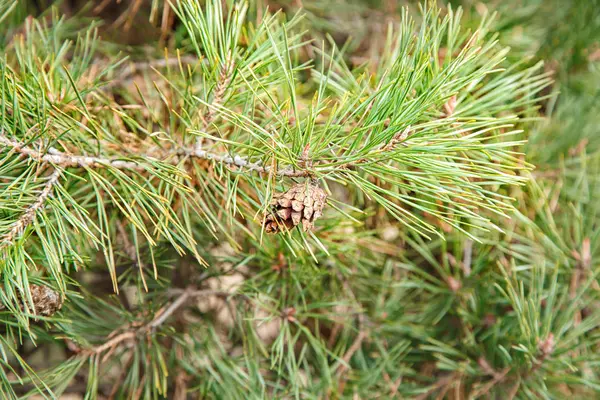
(242, 163)
(546, 348)
(121, 378)
(218, 95)
(112, 342)
(467, 257)
(584, 263)
(183, 295)
(57, 157)
(498, 377)
(512, 393)
(392, 385)
(397, 139)
(170, 310)
(219, 92)
(441, 383)
(207, 292)
(343, 368)
(29, 215)
(131, 251)
(450, 106)
(149, 327)
(362, 334)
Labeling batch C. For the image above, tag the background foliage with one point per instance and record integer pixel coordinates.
(141, 143)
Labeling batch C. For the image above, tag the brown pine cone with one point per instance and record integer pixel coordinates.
(302, 203)
(45, 300)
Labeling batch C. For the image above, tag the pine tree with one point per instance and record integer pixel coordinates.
(256, 207)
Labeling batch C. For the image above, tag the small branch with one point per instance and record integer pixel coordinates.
(170, 310)
(441, 383)
(584, 263)
(208, 292)
(397, 139)
(111, 343)
(467, 257)
(131, 251)
(392, 385)
(362, 335)
(219, 92)
(450, 106)
(57, 157)
(183, 295)
(119, 381)
(546, 348)
(354, 347)
(218, 96)
(133, 334)
(242, 163)
(498, 377)
(29, 215)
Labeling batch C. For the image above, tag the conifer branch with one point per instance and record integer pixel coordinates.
(242, 163)
(170, 310)
(362, 335)
(182, 297)
(546, 348)
(218, 96)
(219, 92)
(111, 343)
(29, 215)
(442, 383)
(57, 157)
(411, 146)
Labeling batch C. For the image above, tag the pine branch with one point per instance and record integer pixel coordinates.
(243, 163)
(111, 343)
(160, 318)
(442, 383)
(362, 335)
(219, 91)
(57, 157)
(218, 97)
(456, 170)
(29, 215)
(170, 310)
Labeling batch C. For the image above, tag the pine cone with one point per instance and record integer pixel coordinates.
(303, 202)
(45, 300)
